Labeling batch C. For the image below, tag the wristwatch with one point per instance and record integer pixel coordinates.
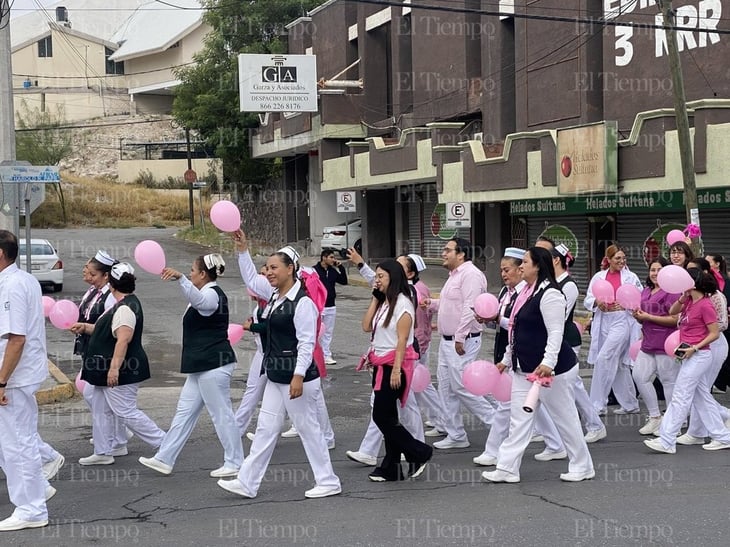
(360, 265)
(3, 384)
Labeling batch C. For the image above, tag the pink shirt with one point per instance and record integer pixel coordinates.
(694, 319)
(614, 278)
(456, 317)
(423, 318)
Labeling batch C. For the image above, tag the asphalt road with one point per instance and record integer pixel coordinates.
(637, 497)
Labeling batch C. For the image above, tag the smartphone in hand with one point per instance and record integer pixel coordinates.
(681, 348)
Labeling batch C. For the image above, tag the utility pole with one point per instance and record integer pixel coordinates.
(190, 183)
(680, 109)
(7, 110)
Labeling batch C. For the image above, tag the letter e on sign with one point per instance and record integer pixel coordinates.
(346, 202)
(458, 215)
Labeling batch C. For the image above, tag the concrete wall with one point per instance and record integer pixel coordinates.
(129, 170)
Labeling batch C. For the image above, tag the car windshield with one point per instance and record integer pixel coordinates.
(36, 249)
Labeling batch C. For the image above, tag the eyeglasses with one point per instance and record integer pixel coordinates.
(676, 252)
(448, 249)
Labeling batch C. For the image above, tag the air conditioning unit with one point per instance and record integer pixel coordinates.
(479, 137)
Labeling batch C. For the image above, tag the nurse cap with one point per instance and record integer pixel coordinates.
(418, 261)
(514, 252)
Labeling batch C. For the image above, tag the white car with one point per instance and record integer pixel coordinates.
(45, 264)
(333, 237)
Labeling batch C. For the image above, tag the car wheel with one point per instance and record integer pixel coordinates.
(57, 287)
(358, 246)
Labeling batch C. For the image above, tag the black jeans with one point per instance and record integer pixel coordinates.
(397, 438)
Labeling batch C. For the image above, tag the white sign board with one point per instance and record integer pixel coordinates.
(29, 173)
(346, 202)
(458, 215)
(277, 83)
(33, 179)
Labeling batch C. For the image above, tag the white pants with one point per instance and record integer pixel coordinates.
(430, 404)
(116, 429)
(210, 389)
(323, 417)
(693, 391)
(328, 330)
(19, 454)
(587, 412)
(451, 387)
(560, 404)
(646, 368)
(409, 416)
(719, 349)
(303, 411)
(255, 384)
(609, 370)
(47, 452)
(120, 401)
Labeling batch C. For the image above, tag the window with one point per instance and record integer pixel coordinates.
(112, 67)
(45, 47)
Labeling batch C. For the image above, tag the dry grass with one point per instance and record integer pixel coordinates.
(108, 204)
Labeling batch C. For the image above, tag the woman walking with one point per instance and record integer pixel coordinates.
(115, 365)
(293, 384)
(209, 362)
(652, 361)
(389, 319)
(538, 348)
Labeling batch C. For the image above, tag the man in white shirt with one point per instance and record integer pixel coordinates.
(22, 371)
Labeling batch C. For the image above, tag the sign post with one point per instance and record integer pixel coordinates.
(190, 177)
(346, 203)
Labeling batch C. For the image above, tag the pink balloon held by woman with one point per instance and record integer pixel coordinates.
(64, 314)
(225, 216)
(150, 256)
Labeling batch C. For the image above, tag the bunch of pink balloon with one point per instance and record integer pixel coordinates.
(628, 297)
(235, 333)
(675, 236)
(486, 306)
(80, 384)
(225, 216)
(634, 349)
(150, 256)
(502, 390)
(421, 378)
(603, 291)
(48, 304)
(64, 314)
(674, 279)
(480, 377)
(671, 343)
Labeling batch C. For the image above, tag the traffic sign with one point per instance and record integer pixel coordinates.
(190, 176)
(346, 202)
(18, 174)
(458, 215)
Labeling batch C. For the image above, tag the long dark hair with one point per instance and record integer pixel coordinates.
(543, 259)
(411, 268)
(704, 279)
(658, 260)
(721, 263)
(398, 285)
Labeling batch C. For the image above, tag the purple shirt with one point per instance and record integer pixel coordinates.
(654, 334)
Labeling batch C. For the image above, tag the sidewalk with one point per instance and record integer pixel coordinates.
(56, 388)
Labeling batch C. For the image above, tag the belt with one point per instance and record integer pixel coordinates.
(449, 337)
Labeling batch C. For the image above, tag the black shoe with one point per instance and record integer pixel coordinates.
(381, 475)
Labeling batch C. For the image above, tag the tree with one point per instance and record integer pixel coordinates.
(207, 99)
(40, 140)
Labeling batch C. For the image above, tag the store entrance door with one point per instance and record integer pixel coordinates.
(602, 234)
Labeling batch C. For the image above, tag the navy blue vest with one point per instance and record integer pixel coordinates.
(205, 344)
(530, 339)
(571, 334)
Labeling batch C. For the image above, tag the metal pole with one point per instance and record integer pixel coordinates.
(28, 246)
(7, 111)
(190, 184)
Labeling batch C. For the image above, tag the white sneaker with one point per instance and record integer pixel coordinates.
(688, 439)
(97, 459)
(626, 411)
(290, 433)
(359, 457)
(250, 436)
(716, 445)
(651, 426)
(596, 435)
(322, 491)
(657, 446)
(235, 487)
(224, 472)
(602, 412)
(119, 451)
(329, 361)
(428, 423)
(485, 460)
(157, 465)
(435, 432)
(537, 439)
(12, 524)
(331, 446)
(576, 476)
(451, 443)
(51, 468)
(50, 492)
(546, 456)
(499, 475)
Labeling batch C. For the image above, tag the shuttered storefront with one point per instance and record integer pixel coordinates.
(427, 232)
(579, 227)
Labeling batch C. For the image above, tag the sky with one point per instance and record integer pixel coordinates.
(21, 7)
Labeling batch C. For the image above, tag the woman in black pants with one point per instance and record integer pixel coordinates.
(389, 319)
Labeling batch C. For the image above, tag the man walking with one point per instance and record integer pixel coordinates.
(23, 368)
(460, 340)
(331, 272)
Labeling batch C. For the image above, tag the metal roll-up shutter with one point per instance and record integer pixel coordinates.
(634, 233)
(415, 227)
(578, 225)
(715, 238)
(435, 232)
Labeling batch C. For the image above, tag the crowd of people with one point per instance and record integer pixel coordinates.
(536, 343)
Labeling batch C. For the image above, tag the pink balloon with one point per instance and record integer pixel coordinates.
(674, 279)
(672, 342)
(603, 291)
(421, 378)
(675, 236)
(486, 306)
(80, 384)
(48, 304)
(580, 327)
(225, 216)
(64, 314)
(235, 333)
(479, 377)
(634, 350)
(628, 297)
(150, 256)
(502, 389)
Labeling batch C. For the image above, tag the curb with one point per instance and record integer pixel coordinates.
(63, 391)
